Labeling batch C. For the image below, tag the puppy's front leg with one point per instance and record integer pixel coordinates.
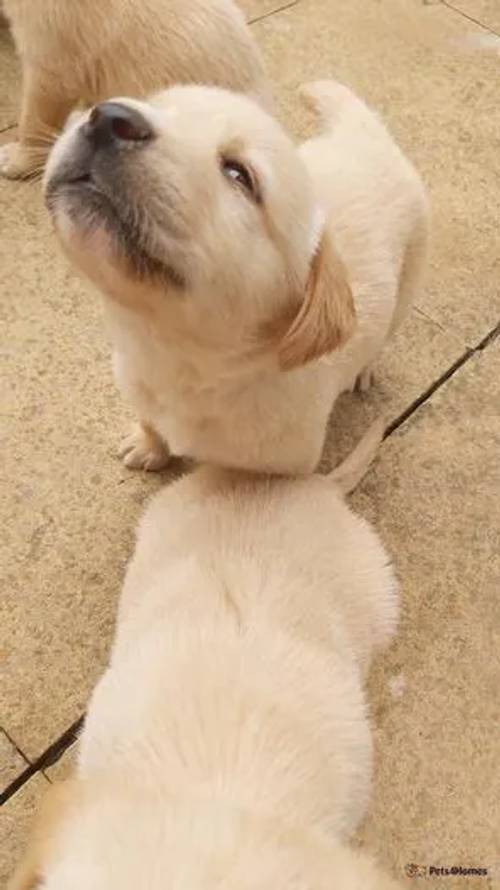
(144, 449)
(44, 109)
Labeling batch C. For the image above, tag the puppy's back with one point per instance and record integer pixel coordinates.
(287, 553)
(245, 622)
(134, 47)
(356, 158)
(248, 613)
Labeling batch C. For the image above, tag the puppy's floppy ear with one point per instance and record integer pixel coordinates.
(326, 318)
(30, 871)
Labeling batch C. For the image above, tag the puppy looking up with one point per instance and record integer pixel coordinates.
(247, 283)
(227, 745)
(83, 51)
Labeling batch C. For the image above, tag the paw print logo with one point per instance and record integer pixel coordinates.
(415, 871)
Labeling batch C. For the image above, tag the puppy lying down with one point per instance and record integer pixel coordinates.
(82, 51)
(247, 283)
(227, 745)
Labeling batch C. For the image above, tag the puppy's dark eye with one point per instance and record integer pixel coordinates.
(236, 172)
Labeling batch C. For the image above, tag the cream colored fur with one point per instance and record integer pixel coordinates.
(287, 295)
(227, 745)
(82, 51)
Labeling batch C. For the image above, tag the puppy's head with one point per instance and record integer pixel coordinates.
(196, 206)
(104, 837)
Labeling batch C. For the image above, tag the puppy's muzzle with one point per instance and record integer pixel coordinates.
(112, 124)
(94, 180)
(89, 154)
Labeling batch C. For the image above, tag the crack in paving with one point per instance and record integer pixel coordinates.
(267, 15)
(15, 746)
(441, 380)
(469, 17)
(49, 757)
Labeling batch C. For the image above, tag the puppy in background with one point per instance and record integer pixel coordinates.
(227, 745)
(247, 283)
(82, 51)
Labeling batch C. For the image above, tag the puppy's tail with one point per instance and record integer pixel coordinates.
(328, 99)
(351, 471)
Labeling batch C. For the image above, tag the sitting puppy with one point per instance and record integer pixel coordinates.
(86, 50)
(227, 745)
(232, 263)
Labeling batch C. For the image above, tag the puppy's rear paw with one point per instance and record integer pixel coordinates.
(15, 163)
(144, 450)
(365, 380)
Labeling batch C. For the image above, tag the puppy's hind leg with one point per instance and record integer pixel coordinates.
(44, 109)
(144, 449)
(413, 265)
(365, 380)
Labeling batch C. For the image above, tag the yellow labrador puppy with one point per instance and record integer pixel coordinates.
(82, 51)
(227, 745)
(248, 283)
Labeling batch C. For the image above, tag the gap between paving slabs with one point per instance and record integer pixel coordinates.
(470, 18)
(426, 395)
(266, 15)
(49, 757)
(56, 750)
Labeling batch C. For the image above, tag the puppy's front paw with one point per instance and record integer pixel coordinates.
(16, 162)
(144, 450)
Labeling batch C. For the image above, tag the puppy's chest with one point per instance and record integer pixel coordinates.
(170, 391)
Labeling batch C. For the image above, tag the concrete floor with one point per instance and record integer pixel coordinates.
(68, 507)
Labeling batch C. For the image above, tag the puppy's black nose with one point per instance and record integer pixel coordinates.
(111, 123)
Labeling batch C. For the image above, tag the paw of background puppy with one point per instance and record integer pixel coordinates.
(144, 450)
(16, 163)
